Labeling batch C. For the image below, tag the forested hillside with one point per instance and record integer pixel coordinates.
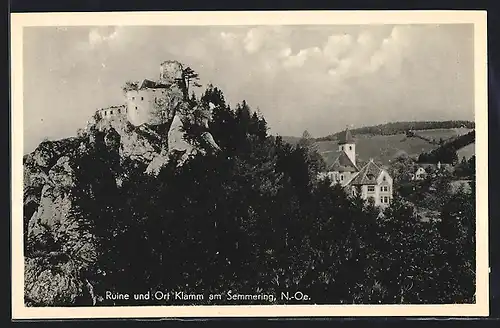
(403, 127)
(447, 153)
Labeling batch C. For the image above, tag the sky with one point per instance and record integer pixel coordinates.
(316, 78)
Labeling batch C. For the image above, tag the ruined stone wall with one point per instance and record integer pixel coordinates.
(170, 71)
(111, 112)
(144, 106)
(153, 105)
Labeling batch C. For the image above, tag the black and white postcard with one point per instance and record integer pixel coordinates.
(216, 164)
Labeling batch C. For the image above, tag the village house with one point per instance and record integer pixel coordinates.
(433, 170)
(419, 174)
(370, 182)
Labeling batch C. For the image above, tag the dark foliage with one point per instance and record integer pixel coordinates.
(466, 168)
(447, 152)
(253, 218)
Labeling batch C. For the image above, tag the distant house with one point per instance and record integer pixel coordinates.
(432, 170)
(419, 174)
(370, 181)
(374, 182)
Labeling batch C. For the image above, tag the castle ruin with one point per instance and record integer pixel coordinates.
(148, 102)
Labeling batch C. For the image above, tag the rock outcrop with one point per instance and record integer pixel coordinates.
(56, 251)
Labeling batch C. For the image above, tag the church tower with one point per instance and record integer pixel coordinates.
(347, 145)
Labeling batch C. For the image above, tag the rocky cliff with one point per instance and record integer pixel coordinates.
(59, 176)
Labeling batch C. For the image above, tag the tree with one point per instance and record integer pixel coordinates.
(402, 168)
(458, 232)
(307, 141)
(130, 86)
(189, 78)
(472, 167)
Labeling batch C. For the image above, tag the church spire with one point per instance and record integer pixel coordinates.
(347, 145)
(345, 137)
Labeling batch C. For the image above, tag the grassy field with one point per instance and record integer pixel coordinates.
(382, 148)
(467, 151)
(442, 133)
(291, 140)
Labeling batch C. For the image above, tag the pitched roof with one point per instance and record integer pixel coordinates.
(148, 84)
(330, 157)
(345, 137)
(343, 164)
(435, 166)
(367, 175)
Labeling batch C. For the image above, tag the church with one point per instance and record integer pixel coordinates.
(369, 181)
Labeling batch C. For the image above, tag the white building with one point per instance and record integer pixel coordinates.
(370, 181)
(419, 174)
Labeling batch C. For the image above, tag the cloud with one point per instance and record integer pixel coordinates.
(254, 40)
(270, 39)
(336, 68)
(317, 78)
(301, 57)
(98, 36)
(391, 51)
(344, 66)
(230, 40)
(336, 46)
(365, 39)
(348, 55)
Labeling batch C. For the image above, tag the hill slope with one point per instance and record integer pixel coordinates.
(402, 127)
(467, 151)
(386, 141)
(381, 148)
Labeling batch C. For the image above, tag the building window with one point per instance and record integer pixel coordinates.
(342, 177)
(386, 200)
(135, 107)
(133, 98)
(384, 188)
(105, 113)
(341, 147)
(111, 112)
(371, 188)
(381, 199)
(350, 147)
(142, 98)
(385, 179)
(119, 110)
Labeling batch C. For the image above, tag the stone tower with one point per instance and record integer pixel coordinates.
(170, 71)
(347, 145)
